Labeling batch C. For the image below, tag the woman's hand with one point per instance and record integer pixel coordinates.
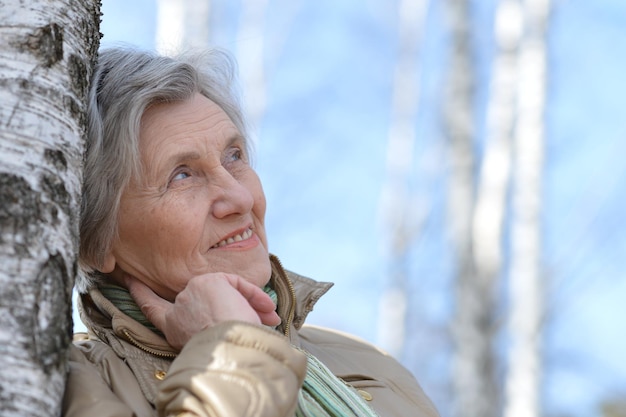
(206, 301)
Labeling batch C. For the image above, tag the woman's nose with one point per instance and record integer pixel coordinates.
(233, 197)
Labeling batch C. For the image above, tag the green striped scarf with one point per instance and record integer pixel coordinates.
(322, 394)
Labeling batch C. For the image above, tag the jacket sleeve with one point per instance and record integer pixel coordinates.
(233, 369)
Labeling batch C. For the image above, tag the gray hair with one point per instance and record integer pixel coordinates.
(126, 82)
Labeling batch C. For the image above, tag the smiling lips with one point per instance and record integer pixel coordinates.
(246, 234)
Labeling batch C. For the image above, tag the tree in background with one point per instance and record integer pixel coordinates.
(398, 209)
(250, 54)
(259, 49)
(526, 292)
(477, 285)
(182, 24)
(478, 208)
(46, 58)
(480, 183)
(472, 327)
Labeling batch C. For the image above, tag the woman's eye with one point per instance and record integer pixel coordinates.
(234, 154)
(180, 175)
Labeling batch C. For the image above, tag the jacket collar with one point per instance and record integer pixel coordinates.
(297, 296)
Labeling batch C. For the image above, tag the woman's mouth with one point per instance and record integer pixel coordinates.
(246, 234)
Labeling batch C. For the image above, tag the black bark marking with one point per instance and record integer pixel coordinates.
(46, 42)
(55, 188)
(20, 211)
(75, 110)
(52, 330)
(79, 75)
(23, 209)
(56, 158)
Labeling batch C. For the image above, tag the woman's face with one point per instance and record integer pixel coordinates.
(198, 207)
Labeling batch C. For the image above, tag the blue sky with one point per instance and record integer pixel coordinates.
(321, 156)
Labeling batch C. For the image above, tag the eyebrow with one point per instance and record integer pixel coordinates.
(183, 156)
(193, 155)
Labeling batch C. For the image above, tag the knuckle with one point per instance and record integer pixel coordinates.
(183, 297)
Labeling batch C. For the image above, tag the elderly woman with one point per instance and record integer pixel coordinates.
(188, 313)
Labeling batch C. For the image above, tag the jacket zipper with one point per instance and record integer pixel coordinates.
(147, 349)
(292, 304)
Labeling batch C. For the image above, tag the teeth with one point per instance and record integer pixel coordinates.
(237, 238)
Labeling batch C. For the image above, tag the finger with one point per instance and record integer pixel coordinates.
(258, 300)
(151, 305)
(270, 319)
(255, 296)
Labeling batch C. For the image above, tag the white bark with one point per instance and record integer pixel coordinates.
(399, 215)
(488, 219)
(182, 24)
(472, 329)
(495, 170)
(250, 56)
(475, 358)
(46, 52)
(526, 286)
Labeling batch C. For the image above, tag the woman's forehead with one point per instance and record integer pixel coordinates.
(177, 122)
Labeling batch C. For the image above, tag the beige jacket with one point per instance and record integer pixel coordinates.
(234, 369)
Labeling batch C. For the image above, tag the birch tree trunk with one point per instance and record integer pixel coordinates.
(398, 213)
(495, 169)
(472, 328)
(490, 208)
(46, 58)
(526, 286)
